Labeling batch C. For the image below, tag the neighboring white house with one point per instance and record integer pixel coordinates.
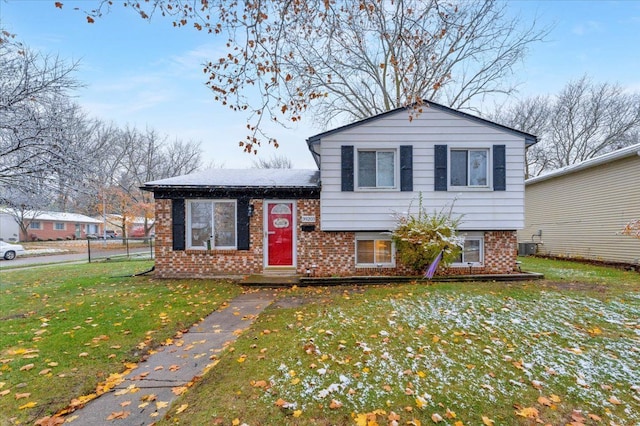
(337, 222)
(9, 229)
(578, 211)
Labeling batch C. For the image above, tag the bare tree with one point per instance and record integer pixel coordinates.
(34, 104)
(275, 162)
(348, 60)
(25, 206)
(590, 119)
(583, 121)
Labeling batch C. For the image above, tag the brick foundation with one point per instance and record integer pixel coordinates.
(319, 254)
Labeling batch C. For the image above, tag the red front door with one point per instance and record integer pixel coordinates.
(280, 234)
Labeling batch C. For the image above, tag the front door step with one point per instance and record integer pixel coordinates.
(280, 271)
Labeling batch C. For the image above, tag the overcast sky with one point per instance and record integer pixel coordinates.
(150, 74)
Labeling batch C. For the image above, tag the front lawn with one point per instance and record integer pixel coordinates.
(564, 350)
(68, 331)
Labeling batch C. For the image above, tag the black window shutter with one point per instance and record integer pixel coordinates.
(499, 168)
(243, 223)
(440, 160)
(178, 228)
(347, 167)
(406, 168)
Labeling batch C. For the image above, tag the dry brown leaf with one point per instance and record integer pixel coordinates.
(544, 401)
(22, 395)
(335, 404)
(118, 415)
(595, 417)
(528, 412)
(27, 367)
(436, 418)
(182, 408)
(614, 400)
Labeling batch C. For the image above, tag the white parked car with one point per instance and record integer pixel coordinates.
(10, 251)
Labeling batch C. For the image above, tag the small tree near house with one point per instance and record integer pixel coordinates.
(421, 237)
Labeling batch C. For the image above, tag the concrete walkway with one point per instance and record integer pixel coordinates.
(147, 392)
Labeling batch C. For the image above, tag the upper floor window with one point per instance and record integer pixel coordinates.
(59, 226)
(469, 167)
(211, 224)
(376, 169)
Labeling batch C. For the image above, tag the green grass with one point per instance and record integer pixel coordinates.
(553, 351)
(64, 329)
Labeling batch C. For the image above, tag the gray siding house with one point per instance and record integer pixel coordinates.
(578, 211)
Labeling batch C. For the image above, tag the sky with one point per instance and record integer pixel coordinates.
(149, 74)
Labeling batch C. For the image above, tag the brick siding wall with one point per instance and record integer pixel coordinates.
(320, 254)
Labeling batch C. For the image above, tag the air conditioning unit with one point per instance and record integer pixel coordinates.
(527, 249)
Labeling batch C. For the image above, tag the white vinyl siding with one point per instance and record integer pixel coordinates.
(482, 209)
(582, 213)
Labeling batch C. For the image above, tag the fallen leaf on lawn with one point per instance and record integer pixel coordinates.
(297, 413)
(182, 408)
(393, 417)
(27, 367)
(5, 392)
(436, 418)
(529, 412)
(27, 405)
(119, 415)
(335, 404)
(577, 416)
(536, 384)
(487, 421)
(450, 414)
(555, 398)
(614, 400)
(45, 371)
(235, 422)
(22, 395)
(83, 354)
(260, 383)
(458, 423)
(544, 401)
(595, 417)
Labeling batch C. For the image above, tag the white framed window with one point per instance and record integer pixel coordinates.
(472, 252)
(376, 168)
(35, 225)
(211, 223)
(469, 167)
(374, 250)
(59, 226)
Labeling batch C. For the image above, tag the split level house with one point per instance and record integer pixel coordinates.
(336, 220)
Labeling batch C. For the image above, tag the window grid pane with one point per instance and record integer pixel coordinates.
(459, 168)
(201, 226)
(385, 172)
(383, 251)
(364, 251)
(225, 224)
(478, 168)
(367, 169)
